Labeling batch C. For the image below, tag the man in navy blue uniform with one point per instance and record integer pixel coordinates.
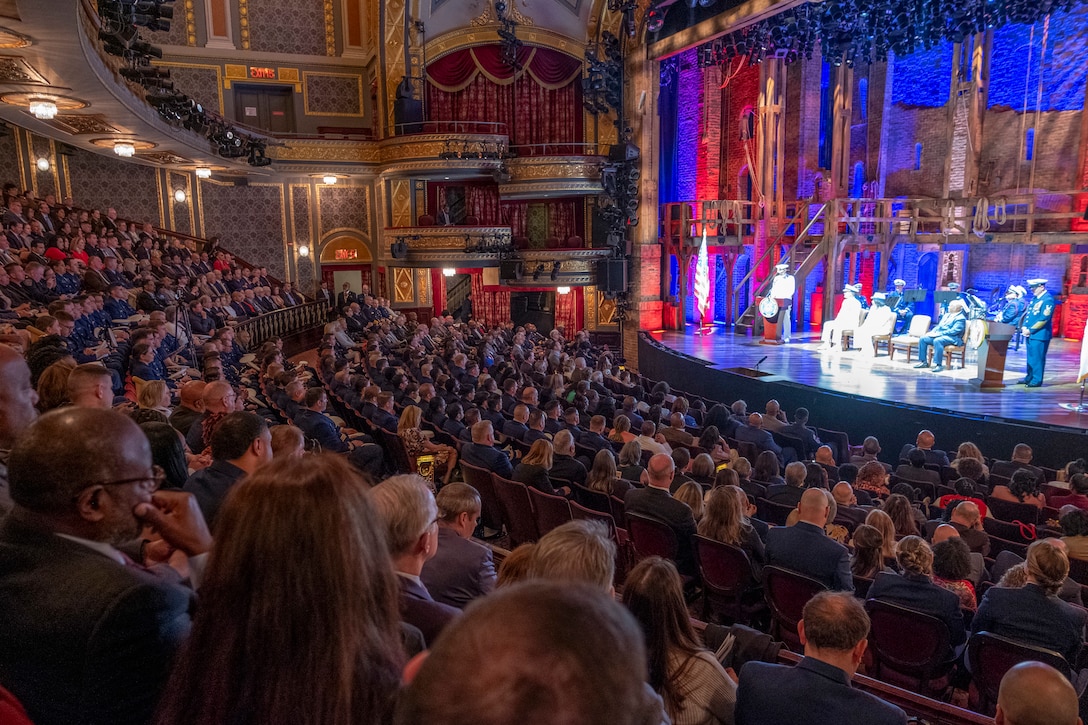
(1037, 330)
(1014, 307)
(833, 629)
(949, 331)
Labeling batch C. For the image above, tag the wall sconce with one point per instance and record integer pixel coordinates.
(42, 164)
(329, 179)
(179, 196)
(448, 271)
(563, 290)
(303, 251)
(203, 172)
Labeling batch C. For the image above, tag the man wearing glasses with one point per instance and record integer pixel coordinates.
(92, 633)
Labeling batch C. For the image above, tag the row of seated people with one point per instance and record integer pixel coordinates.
(449, 348)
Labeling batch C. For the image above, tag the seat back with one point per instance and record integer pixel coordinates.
(520, 517)
(906, 641)
(395, 451)
(425, 220)
(1012, 511)
(578, 511)
(725, 569)
(787, 593)
(991, 656)
(492, 514)
(839, 442)
(619, 510)
(652, 537)
(596, 500)
(919, 325)
(773, 513)
(551, 511)
(788, 441)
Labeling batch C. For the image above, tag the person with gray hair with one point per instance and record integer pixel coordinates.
(833, 629)
(655, 502)
(410, 514)
(462, 569)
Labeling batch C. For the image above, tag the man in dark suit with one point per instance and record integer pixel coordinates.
(789, 494)
(799, 429)
(482, 452)
(848, 513)
(240, 443)
(967, 520)
(915, 469)
(461, 570)
(536, 427)
(656, 502)
(594, 438)
(754, 433)
(1021, 458)
(516, 428)
(384, 417)
(346, 297)
(312, 421)
(407, 507)
(817, 690)
(925, 442)
(96, 632)
(1033, 614)
(806, 549)
(564, 464)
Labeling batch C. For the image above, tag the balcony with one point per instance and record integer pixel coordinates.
(445, 149)
(447, 246)
(542, 171)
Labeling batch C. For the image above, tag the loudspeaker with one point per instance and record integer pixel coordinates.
(601, 228)
(408, 115)
(398, 250)
(623, 152)
(612, 275)
(508, 269)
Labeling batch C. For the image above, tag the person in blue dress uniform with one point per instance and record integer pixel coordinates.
(1037, 329)
(903, 310)
(949, 331)
(1014, 307)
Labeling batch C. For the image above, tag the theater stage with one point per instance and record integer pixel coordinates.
(889, 381)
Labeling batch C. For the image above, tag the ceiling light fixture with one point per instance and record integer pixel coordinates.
(124, 149)
(43, 108)
(203, 172)
(329, 179)
(43, 164)
(563, 290)
(448, 271)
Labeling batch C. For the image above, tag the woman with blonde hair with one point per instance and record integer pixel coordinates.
(621, 430)
(702, 469)
(967, 449)
(154, 395)
(724, 520)
(534, 467)
(602, 475)
(883, 523)
(417, 444)
(630, 465)
(691, 493)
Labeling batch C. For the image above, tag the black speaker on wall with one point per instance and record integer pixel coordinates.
(408, 115)
(508, 269)
(612, 275)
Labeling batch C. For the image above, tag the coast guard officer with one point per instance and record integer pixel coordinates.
(1037, 330)
(903, 310)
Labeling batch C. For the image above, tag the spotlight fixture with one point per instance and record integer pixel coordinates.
(179, 196)
(538, 271)
(303, 250)
(124, 150)
(203, 172)
(562, 290)
(329, 179)
(43, 108)
(448, 271)
(42, 164)
(555, 270)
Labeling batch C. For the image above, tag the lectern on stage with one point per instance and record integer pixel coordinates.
(772, 310)
(992, 348)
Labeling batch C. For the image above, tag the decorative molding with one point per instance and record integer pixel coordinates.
(243, 22)
(11, 39)
(423, 287)
(107, 143)
(462, 38)
(22, 98)
(236, 73)
(489, 17)
(83, 125)
(393, 54)
(165, 157)
(400, 194)
(15, 69)
(441, 237)
(330, 30)
(403, 286)
(357, 152)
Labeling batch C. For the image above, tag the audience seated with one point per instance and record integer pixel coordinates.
(726, 518)
(1021, 461)
(461, 569)
(789, 492)
(656, 502)
(806, 549)
(1032, 693)
(833, 630)
(17, 412)
(925, 442)
(481, 452)
(240, 444)
(1022, 488)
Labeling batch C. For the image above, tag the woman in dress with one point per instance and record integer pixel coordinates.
(417, 444)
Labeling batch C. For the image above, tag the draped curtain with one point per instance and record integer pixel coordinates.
(541, 103)
(490, 304)
(568, 311)
(482, 202)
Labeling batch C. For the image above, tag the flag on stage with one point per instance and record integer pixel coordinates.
(702, 280)
(1083, 356)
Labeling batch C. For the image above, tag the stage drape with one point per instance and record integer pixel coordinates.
(568, 311)
(539, 104)
(483, 203)
(490, 304)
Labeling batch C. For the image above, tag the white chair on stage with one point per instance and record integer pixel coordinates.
(919, 325)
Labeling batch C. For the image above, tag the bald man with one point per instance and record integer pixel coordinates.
(763, 440)
(100, 632)
(806, 549)
(191, 408)
(1032, 693)
(655, 501)
(219, 399)
(17, 411)
(925, 442)
(968, 522)
(846, 505)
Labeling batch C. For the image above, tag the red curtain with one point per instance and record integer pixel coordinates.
(539, 104)
(490, 304)
(568, 311)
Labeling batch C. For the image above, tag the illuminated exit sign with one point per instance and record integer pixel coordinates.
(266, 73)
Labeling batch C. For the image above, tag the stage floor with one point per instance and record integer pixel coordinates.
(880, 378)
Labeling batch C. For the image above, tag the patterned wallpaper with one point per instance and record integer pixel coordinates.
(176, 34)
(100, 182)
(333, 95)
(9, 159)
(199, 83)
(287, 26)
(300, 210)
(343, 207)
(45, 181)
(249, 221)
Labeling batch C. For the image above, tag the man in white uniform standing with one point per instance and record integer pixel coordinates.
(783, 287)
(849, 318)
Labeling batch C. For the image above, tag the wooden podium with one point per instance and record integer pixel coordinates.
(991, 355)
(772, 334)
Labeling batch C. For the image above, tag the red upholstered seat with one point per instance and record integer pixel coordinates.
(991, 656)
(787, 593)
(909, 648)
(520, 517)
(551, 511)
(491, 512)
(728, 581)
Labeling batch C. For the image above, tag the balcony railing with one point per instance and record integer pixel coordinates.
(281, 322)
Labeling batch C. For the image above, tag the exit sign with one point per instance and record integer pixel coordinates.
(255, 72)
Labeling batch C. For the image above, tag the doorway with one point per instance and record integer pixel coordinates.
(269, 108)
(537, 308)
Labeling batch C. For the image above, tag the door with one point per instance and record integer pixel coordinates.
(269, 108)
